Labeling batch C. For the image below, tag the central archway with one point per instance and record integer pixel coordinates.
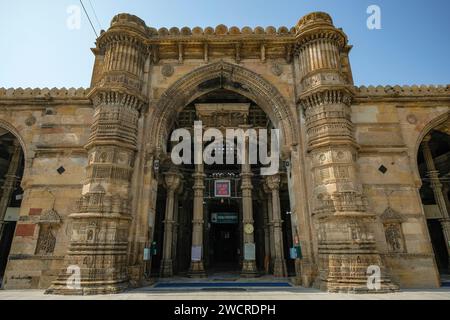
(222, 75)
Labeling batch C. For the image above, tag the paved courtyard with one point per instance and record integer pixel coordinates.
(194, 294)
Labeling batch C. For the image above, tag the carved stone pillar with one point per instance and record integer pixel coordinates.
(100, 226)
(172, 181)
(445, 191)
(197, 268)
(279, 263)
(269, 206)
(433, 175)
(445, 225)
(266, 228)
(346, 245)
(177, 230)
(249, 261)
(10, 182)
(437, 187)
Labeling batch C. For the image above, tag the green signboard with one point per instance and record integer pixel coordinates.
(224, 218)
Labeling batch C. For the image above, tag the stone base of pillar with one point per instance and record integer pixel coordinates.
(87, 289)
(307, 274)
(95, 267)
(166, 268)
(136, 274)
(64, 286)
(249, 269)
(348, 273)
(279, 268)
(197, 270)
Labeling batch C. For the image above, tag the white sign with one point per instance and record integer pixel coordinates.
(147, 254)
(196, 254)
(249, 251)
(12, 214)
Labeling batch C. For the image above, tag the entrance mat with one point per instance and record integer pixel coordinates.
(223, 285)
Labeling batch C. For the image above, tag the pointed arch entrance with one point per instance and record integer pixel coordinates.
(223, 75)
(246, 87)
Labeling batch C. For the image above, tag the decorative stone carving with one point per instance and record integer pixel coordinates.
(50, 217)
(394, 237)
(46, 241)
(392, 222)
(31, 120)
(223, 114)
(167, 70)
(412, 119)
(276, 69)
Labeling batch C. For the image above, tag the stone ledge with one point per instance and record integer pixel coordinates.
(44, 93)
(414, 90)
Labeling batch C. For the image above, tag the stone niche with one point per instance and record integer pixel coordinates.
(48, 224)
(392, 222)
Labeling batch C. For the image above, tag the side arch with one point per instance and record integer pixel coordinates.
(26, 153)
(9, 127)
(435, 122)
(222, 75)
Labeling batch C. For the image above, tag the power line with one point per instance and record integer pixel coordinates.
(87, 15)
(95, 15)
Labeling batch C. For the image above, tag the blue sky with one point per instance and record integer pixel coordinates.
(38, 50)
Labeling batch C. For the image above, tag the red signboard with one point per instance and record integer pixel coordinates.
(222, 188)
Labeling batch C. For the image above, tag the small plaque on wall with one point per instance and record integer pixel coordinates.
(147, 254)
(196, 254)
(249, 251)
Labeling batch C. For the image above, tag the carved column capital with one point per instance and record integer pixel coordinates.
(172, 180)
(273, 182)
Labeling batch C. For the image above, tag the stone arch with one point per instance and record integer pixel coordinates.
(7, 126)
(225, 76)
(26, 155)
(435, 122)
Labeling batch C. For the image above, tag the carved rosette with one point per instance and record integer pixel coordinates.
(346, 245)
(99, 240)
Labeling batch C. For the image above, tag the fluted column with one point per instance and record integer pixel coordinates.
(436, 186)
(433, 175)
(249, 261)
(172, 181)
(279, 263)
(346, 243)
(9, 185)
(197, 268)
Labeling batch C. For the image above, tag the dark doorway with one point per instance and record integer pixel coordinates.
(5, 245)
(11, 171)
(439, 245)
(225, 239)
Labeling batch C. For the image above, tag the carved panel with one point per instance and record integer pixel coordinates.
(394, 237)
(46, 241)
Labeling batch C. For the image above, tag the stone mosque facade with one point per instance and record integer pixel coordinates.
(88, 180)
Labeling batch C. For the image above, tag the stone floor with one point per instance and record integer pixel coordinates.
(240, 289)
(248, 294)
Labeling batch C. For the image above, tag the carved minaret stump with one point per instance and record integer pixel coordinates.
(346, 245)
(100, 226)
